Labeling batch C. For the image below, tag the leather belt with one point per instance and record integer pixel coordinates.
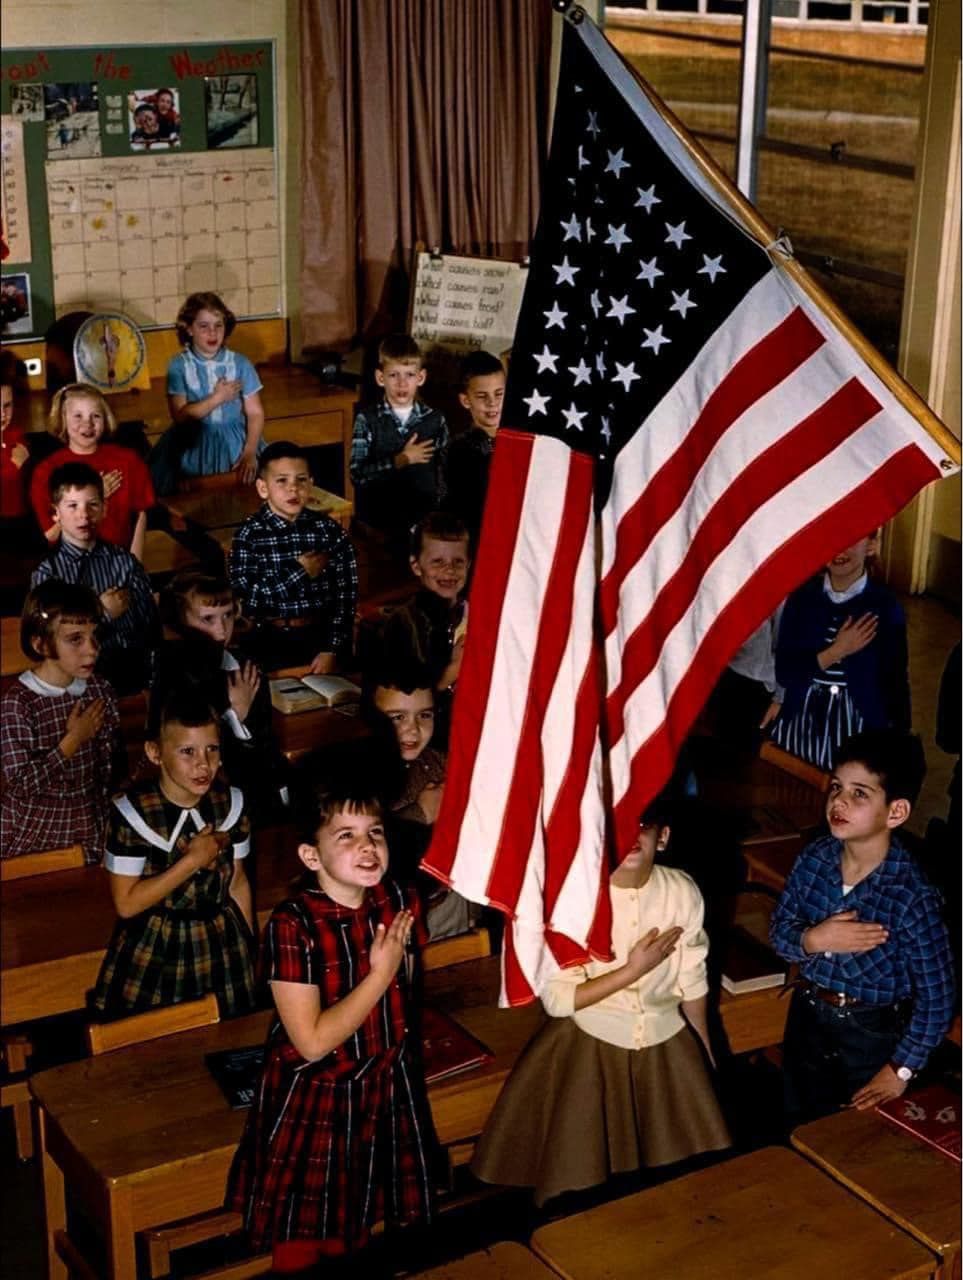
(838, 999)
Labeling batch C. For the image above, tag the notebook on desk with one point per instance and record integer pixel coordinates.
(931, 1114)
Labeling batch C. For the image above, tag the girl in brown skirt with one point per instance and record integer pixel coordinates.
(619, 1079)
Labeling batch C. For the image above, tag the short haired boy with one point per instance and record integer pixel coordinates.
(398, 449)
(131, 624)
(470, 452)
(295, 570)
(877, 991)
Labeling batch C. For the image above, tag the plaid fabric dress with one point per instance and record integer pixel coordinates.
(193, 942)
(333, 1146)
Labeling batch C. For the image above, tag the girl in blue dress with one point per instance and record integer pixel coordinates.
(214, 398)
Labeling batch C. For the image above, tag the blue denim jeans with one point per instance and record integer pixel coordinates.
(829, 1053)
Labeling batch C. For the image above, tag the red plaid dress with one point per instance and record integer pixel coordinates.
(50, 801)
(333, 1146)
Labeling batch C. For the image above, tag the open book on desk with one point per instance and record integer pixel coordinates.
(291, 694)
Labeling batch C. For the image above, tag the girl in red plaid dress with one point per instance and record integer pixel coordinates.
(340, 1135)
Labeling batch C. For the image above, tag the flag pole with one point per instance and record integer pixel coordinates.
(908, 397)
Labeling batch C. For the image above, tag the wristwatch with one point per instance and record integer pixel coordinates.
(905, 1074)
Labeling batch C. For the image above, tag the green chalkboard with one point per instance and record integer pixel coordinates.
(144, 173)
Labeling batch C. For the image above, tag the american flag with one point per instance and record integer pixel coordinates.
(688, 437)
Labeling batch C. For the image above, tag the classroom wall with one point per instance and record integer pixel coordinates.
(52, 24)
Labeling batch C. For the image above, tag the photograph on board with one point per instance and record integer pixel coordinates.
(27, 104)
(231, 111)
(15, 315)
(73, 121)
(155, 119)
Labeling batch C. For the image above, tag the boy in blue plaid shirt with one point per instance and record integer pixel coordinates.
(864, 926)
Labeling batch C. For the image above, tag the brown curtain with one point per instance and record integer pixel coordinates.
(423, 120)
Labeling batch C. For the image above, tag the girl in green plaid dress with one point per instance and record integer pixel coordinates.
(175, 854)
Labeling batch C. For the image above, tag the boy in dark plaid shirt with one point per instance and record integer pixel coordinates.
(295, 570)
(864, 926)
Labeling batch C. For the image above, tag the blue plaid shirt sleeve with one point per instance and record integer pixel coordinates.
(259, 576)
(789, 921)
(365, 464)
(343, 569)
(926, 951)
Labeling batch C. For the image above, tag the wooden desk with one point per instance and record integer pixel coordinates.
(54, 929)
(505, 1261)
(907, 1181)
(144, 1136)
(306, 731)
(768, 1214)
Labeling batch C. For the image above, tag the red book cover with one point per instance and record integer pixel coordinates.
(447, 1047)
(931, 1114)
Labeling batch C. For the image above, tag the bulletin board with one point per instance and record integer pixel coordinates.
(133, 176)
(461, 304)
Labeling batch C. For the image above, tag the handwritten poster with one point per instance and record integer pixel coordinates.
(13, 209)
(466, 304)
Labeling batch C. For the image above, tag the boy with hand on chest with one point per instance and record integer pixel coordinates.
(470, 453)
(295, 570)
(399, 444)
(877, 987)
(131, 623)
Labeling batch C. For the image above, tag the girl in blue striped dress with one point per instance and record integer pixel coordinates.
(841, 657)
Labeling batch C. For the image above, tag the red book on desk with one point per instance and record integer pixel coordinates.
(447, 1048)
(931, 1114)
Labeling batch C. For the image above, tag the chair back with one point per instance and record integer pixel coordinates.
(473, 945)
(791, 764)
(40, 864)
(103, 1037)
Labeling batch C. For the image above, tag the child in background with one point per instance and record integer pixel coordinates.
(130, 627)
(58, 729)
(199, 614)
(747, 696)
(81, 417)
(168, 120)
(401, 695)
(470, 452)
(398, 449)
(176, 861)
(214, 398)
(618, 1079)
(864, 926)
(295, 570)
(13, 453)
(340, 1134)
(841, 658)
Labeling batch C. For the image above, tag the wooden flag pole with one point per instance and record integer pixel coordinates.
(908, 397)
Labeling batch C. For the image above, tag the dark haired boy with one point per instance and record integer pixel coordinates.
(295, 570)
(398, 449)
(864, 926)
(470, 452)
(130, 627)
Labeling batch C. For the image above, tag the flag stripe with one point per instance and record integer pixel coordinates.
(798, 450)
(770, 361)
(884, 492)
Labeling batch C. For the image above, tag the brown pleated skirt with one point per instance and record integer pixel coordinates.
(577, 1110)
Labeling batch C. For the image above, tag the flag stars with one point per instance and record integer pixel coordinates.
(590, 231)
(655, 339)
(547, 360)
(649, 272)
(647, 198)
(572, 229)
(581, 372)
(583, 159)
(536, 403)
(617, 162)
(595, 302)
(620, 308)
(593, 124)
(617, 237)
(564, 271)
(606, 432)
(711, 267)
(625, 374)
(682, 303)
(555, 318)
(573, 419)
(676, 234)
(600, 367)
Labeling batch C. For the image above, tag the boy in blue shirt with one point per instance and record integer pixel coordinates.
(398, 448)
(864, 926)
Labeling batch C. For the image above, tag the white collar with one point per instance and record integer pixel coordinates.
(30, 680)
(229, 662)
(854, 588)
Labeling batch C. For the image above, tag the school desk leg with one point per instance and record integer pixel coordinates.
(121, 1246)
(54, 1202)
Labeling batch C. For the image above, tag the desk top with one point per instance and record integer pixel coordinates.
(768, 1214)
(907, 1181)
(148, 1109)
